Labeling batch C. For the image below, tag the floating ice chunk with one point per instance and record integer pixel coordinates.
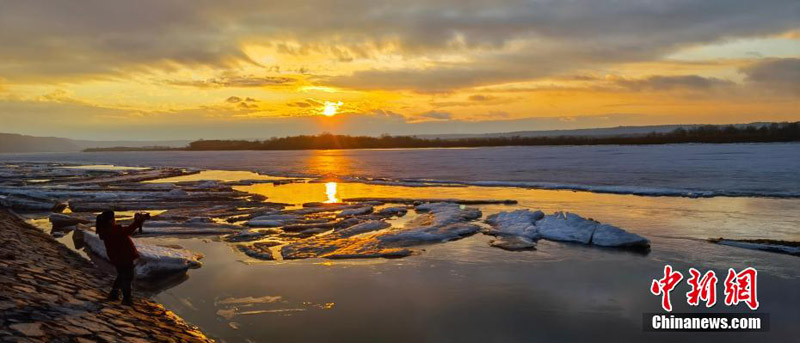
(445, 213)
(567, 227)
(393, 211)
(570, 227)
(611, 236)
(444, 222)
(383, 253)
(25, 204)
(273, 220)
(178, 229)
(516, 223)
(62, 220)
(355, 211)
(430, 234)
(513, 243)
(153, 260)
(195, 225)
(369, 226)
(250, 235)
(178, 193)
(206, 184)
(254, 252)
(413, 201)
(266, 223)
(278, 217)
(780, 247)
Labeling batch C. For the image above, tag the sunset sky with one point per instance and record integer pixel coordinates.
(254, 69)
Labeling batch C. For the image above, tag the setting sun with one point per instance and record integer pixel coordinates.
(331, 108)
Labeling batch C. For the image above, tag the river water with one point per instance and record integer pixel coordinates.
(467, 291)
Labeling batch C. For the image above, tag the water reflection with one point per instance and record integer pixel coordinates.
(330, 163)
(330, 191)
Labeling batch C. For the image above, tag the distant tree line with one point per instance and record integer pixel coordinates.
(775, 132)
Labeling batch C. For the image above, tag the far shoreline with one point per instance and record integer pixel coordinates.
(135, 149)
(774, 133)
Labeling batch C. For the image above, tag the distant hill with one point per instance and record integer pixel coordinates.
(84, 144)
(12, 142)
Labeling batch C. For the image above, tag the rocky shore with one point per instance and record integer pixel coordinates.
(49, 293)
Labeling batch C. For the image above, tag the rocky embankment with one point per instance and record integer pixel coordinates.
(48, 293)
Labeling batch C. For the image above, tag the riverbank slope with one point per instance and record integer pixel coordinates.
(50, 294)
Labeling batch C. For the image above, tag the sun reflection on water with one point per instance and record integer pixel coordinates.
(330, 191)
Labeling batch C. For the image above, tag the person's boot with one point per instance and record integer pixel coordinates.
(127, 298)
(114, 295)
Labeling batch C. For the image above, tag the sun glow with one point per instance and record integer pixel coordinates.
(331, 108)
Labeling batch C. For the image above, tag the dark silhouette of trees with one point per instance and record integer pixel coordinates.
(775, 132)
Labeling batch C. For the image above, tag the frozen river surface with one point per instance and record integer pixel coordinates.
(684, 169)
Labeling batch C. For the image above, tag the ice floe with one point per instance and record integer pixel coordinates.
(566, 227)
(513, 243)
(516, 223)
(62, 220)
(274, 220)
(418, 201)
(153, 260)
(521, 228)
(444, 222)
(369, 226)
(775, 246)
(392, 212)
(570, 227)
(355, 211)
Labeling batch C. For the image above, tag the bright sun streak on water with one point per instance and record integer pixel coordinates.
(330, 191)
(331, 108)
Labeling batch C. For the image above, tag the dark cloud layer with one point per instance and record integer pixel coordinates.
(662, 83)
(780, 74)
(437, 115)
(95, 37)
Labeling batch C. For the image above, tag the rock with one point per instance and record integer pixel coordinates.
(28, 329)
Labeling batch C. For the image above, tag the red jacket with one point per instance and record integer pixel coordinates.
(119, 246)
